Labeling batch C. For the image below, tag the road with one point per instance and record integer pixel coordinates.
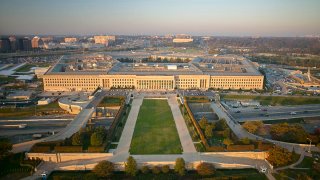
(79, 122)
(274, 112)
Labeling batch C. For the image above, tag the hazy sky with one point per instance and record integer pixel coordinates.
(136, 17)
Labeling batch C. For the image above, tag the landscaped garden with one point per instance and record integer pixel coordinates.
(155, 131)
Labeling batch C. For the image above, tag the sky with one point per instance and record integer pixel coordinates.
(160, 17)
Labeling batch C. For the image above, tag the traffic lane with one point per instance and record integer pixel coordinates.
(309, 113)
(275, 117)
(275, 109)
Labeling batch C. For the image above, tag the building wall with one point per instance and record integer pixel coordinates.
(85, 82)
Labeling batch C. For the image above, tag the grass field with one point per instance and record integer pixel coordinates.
(25, 68)
(274, 100)
(155, 131)
(110, 101)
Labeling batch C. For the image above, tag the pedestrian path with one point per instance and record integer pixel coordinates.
(184, 135)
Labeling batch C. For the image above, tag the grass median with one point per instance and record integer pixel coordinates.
(155, 131)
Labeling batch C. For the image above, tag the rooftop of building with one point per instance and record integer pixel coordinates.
(227, 65)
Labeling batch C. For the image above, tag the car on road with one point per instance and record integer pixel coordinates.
(264, 109)
(238, 111)
(293, 113)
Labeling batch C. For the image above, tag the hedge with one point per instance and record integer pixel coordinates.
(68, 149)
(249, 147)
(215, 148)
(40, 149)
(264, 147)
(93, 149)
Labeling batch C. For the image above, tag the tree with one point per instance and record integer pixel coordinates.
(205, 169)
(104, 169)
(289, 133)
(203, 122)
(278, 156)
(131, 166)
(252, 126)
(227, 142)
(180, 166)
(221, 125)
(96, 139)
(208, 131)
(245, 141)
(165, 169)
(5, 147)
(156, 170)
(145, 169)
(77, 139)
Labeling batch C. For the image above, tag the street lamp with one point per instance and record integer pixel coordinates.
(309, 145)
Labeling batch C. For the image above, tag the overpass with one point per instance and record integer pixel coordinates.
(74, 126)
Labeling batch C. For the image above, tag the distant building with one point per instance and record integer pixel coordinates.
(5, 45)
(70, 40)
(36, 42)
(24, 44)
(47, 39)
(13, 43)
(104, 39)
(182, 38)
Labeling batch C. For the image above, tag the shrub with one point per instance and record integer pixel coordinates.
(145, 169)
(278, 156)
(40, 149)
(68, 149)
(205, 169)
(165, 169)
(156, 170)
(77, 139)
(104, 169)
(94, 149)
(131, 166)
(96, 139)
(180, 166)
(241, 147)
(252, 126)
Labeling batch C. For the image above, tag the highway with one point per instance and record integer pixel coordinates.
(274, 112)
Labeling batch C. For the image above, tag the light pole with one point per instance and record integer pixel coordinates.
(309, 145)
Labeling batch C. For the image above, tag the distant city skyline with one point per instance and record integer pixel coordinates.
(147, 17)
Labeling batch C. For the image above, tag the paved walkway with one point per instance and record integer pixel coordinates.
(184, 135)
(127, 133)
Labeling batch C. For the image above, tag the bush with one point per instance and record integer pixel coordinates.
(104, 169)
(165, 169)
(205, 169)
(145, 169)
(94, 149)
(77, 139)
(68, 149)
(180, 166)
(90, 176)
(156, 170)
(131, 166)
(96, 139)
(40, 149)
(241, 147)
(278, 156)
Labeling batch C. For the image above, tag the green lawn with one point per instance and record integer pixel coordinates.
(274, 100)
(110, 101)
(155, 131)
(25, 68)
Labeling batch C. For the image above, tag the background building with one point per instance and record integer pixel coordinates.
(24, 44)
(36, 42)
(104, 39)
(182, 38)
(5, 45)
(70, 40)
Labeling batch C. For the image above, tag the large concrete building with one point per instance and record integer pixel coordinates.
(210, 73)
(103, 39)
(36, 42)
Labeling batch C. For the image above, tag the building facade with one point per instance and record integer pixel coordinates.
(87, 82)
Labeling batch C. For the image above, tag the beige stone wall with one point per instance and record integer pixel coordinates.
(85, 82)
(63, 157)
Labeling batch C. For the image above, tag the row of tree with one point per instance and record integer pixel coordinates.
(105, 169)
